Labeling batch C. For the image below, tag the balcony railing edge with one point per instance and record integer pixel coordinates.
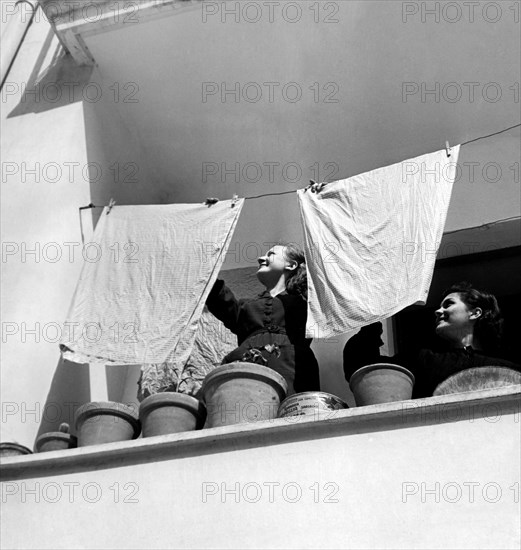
(387, 416)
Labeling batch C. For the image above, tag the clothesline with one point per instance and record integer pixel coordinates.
(461, 145)
(487, 225)
(295, 190)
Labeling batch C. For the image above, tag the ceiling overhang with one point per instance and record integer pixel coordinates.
(74, 20)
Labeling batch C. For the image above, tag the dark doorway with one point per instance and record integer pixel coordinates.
(498, 272)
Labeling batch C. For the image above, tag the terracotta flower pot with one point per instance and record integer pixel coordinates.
(478, 378)
(237, 393)
(311, 403)
(56, 441)
(13, 449)
(169, 413)
(105, 422)
(381, 383)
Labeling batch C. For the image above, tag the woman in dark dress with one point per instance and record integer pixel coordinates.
(273, 323)
(470, 322)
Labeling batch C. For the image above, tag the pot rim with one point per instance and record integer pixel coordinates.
(246, 370)
(486, 367)
(15, 447)
(172, 399)
(377, 366)
(97, 408)
(54, 435)
(499, 369)
(318, 394)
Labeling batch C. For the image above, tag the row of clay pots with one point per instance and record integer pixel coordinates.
(371, 385)
(384, 383)
(233, 394)
(51, 441)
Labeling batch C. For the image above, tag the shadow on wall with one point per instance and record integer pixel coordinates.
(70, 388)
(63, 82)
(57, 82)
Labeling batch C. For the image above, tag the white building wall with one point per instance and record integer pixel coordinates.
(445, 476)
(44, 159)
(64, 146)
(96, 137)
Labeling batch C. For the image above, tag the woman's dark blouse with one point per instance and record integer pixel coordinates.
(429, 368)
(265, 320)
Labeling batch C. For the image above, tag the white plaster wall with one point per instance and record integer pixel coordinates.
(64, 145)
(114, 144)
(378, 494)
(373, 50)
(169, 133)
(43, 156)
(369, 55)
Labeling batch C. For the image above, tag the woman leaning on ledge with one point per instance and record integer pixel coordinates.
(469, 320)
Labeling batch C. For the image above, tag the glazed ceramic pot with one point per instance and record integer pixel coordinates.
(478, 378)
(56, 441)
(169, 413)
(316, 404)
(239, 393)
(106, 422)
(381, 383)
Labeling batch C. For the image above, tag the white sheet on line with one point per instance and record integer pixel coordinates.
(371, 241)
(212, 342)
(141, 293)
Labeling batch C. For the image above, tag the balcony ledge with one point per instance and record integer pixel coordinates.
(374, 418)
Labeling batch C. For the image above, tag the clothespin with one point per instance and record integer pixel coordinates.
(447, 148)
(235, 200)
(112, 203)
(311, 183)
(315, 187)
(208, 202)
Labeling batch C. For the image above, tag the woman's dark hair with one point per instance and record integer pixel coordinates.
(297, 281)
(488, 327)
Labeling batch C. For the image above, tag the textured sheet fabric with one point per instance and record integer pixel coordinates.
(141, 295)
(371, 241)
(213, 341)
